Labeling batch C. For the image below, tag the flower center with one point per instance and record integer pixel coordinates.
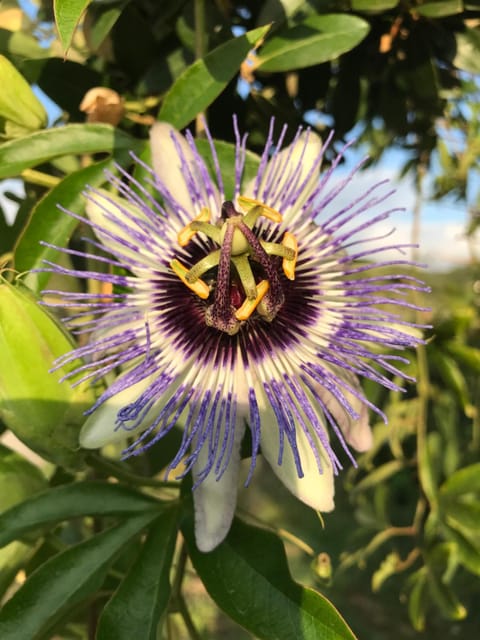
(254, 284)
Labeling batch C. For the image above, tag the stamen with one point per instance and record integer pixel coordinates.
(186, 234)
(275, 296)
(202, 266)
(199, 287)
(249, 205)
(288, 264)
(249, 306)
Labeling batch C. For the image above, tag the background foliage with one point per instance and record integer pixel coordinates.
(91, 544)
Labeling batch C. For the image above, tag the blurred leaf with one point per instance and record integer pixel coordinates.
(22, 479)
(49, 224)
(445, 413)
(317, 39)
(417, 600)
(248, 577)
(387, 569)
(142, 598)
(204, 80)
(18, 103)
(439, 9)
(463, 481)
(464, 355)
(17, 155)
(72, 501)
(17, 44)
(468, 51)
(373, 6)
(445, 599)
(65, 581)
(67, 16)
(468, 553)
(464, 514)
(104, 19)
(42, 411)
(20, 476)
(451, 374)
(379, 474)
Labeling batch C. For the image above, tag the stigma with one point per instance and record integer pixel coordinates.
(241, 278)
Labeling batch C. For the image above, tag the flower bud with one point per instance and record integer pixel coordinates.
(42, 412)
(19, 106)
(103, 105)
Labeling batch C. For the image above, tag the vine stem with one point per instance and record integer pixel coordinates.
(177, 596)
(200, 51)
(423, 379)
(38, 177)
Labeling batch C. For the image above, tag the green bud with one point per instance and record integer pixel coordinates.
(42, 412)
(19, 106)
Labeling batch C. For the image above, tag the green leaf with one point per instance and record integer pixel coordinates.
(468, 50)
(20, 476)
(465, 515)
(387, 568)
(42, 411)
(103, 22)
(465, 480)
(22, 479)
(464, 354)
(72, 501)
(249, 579)
(468, 553)
(378, 475)
(141, 600)
(17, 44)
(452, 375)
(67, 16)
(373, 6)
(443, 596)
(417, 601)
(17, 155)
(18, 103)
(439, 9)
(204, 80)
(50, 224)
(65, 581)
(317, 39)
(226, 159)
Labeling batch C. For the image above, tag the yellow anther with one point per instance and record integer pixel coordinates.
(249, 306)
(199, 287)
(249, 203)
(288, 264)
(186, 234)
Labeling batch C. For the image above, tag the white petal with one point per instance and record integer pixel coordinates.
(166, 143)
(113, 218)
(357, 432)
(215, 499)
(166, 162)
(296, 161)
(314, 489)
(99, 428)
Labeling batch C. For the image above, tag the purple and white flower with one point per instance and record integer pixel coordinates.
(257, 311)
